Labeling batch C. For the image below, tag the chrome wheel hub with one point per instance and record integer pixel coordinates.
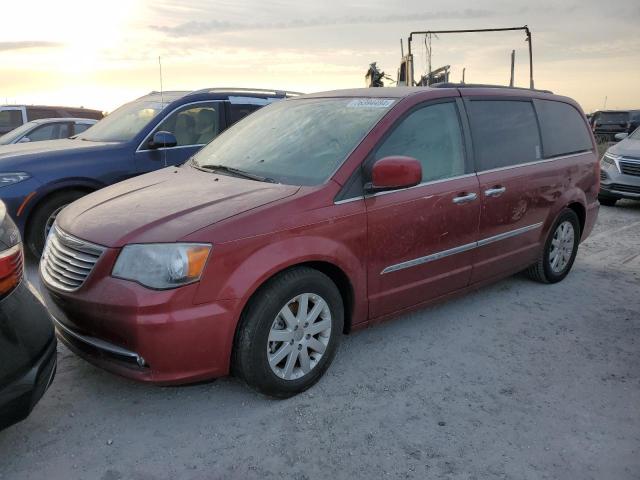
(299, 336)
(561, 246)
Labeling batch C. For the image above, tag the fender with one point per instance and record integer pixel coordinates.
(79, 183)
(568, 196)
(257, 263)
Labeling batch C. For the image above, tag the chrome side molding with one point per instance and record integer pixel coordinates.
(462, 248)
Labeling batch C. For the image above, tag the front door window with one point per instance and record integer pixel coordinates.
(193, 124)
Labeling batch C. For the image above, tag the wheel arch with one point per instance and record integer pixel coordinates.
(335, 273)
(41, 199)
(581, 212)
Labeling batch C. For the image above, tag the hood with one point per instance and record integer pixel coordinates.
(164, 206)
(47, 148)
(629, 147)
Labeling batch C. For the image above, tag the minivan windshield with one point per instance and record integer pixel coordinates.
(296, 142)
(124, 123)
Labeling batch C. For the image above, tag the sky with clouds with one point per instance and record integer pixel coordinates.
(101, 54)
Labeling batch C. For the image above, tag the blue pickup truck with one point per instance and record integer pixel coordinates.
(157, 130)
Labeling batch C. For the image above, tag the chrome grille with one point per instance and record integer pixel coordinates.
(67, 261)
(630, 168)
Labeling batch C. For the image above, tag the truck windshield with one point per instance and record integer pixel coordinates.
(297, 142)
(124, 123)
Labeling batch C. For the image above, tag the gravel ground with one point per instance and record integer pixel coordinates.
(517, 380)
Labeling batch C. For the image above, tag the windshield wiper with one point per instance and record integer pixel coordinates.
(235, 172)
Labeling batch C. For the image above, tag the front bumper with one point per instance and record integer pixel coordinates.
(28, 360)
(18, 398)
(619, 185)
(153, 336)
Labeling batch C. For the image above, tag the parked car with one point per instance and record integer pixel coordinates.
(160, 129)
(13, 116)
(607, 123)
(620, 170)
(47, 129)
(27, 340)
(316, 216)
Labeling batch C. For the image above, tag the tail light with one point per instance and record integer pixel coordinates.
(11, 269)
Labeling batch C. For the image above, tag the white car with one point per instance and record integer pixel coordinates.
(47, 129)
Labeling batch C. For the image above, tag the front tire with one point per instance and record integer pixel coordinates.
(560, 250)
(289, 333)
(42, 219)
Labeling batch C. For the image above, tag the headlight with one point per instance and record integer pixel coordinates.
(609, 159)
(12, 177)
(162, 265)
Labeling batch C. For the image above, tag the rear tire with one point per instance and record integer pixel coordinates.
(559, 251)
(42, 219)
(280, 348)
(607, 201)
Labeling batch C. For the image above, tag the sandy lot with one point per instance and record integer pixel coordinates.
(517, 380)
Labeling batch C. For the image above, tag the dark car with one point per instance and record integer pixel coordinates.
(27, 340)
(154, 131)
(13, 116)
(315, 216)
(47, 129)
(607, 123)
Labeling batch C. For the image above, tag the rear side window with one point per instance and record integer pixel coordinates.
(238, 112)
(80, 127)
(563, 129)
(431, 135)
(613, 118)
(504, 132)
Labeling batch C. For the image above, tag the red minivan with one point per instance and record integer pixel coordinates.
(316, 216)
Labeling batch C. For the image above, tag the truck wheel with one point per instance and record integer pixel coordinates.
(560, 250)
(289, 333)
(43, 218)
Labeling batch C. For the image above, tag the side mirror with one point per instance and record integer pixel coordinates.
(621, 136)
(163, 139)
(394, 172)
(24, 140)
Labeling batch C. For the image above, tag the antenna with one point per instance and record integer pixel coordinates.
(513, 61)
(164, 151)
(161, 94)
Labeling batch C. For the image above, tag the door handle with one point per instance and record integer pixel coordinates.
(469, 197)
(495, 191)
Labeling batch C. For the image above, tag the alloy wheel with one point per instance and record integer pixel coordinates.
(299, 336)
(562, 245)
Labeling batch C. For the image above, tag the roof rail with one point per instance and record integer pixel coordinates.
(482, 85)
(279, 93)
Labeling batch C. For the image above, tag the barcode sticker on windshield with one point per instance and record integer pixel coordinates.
(370, 103)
